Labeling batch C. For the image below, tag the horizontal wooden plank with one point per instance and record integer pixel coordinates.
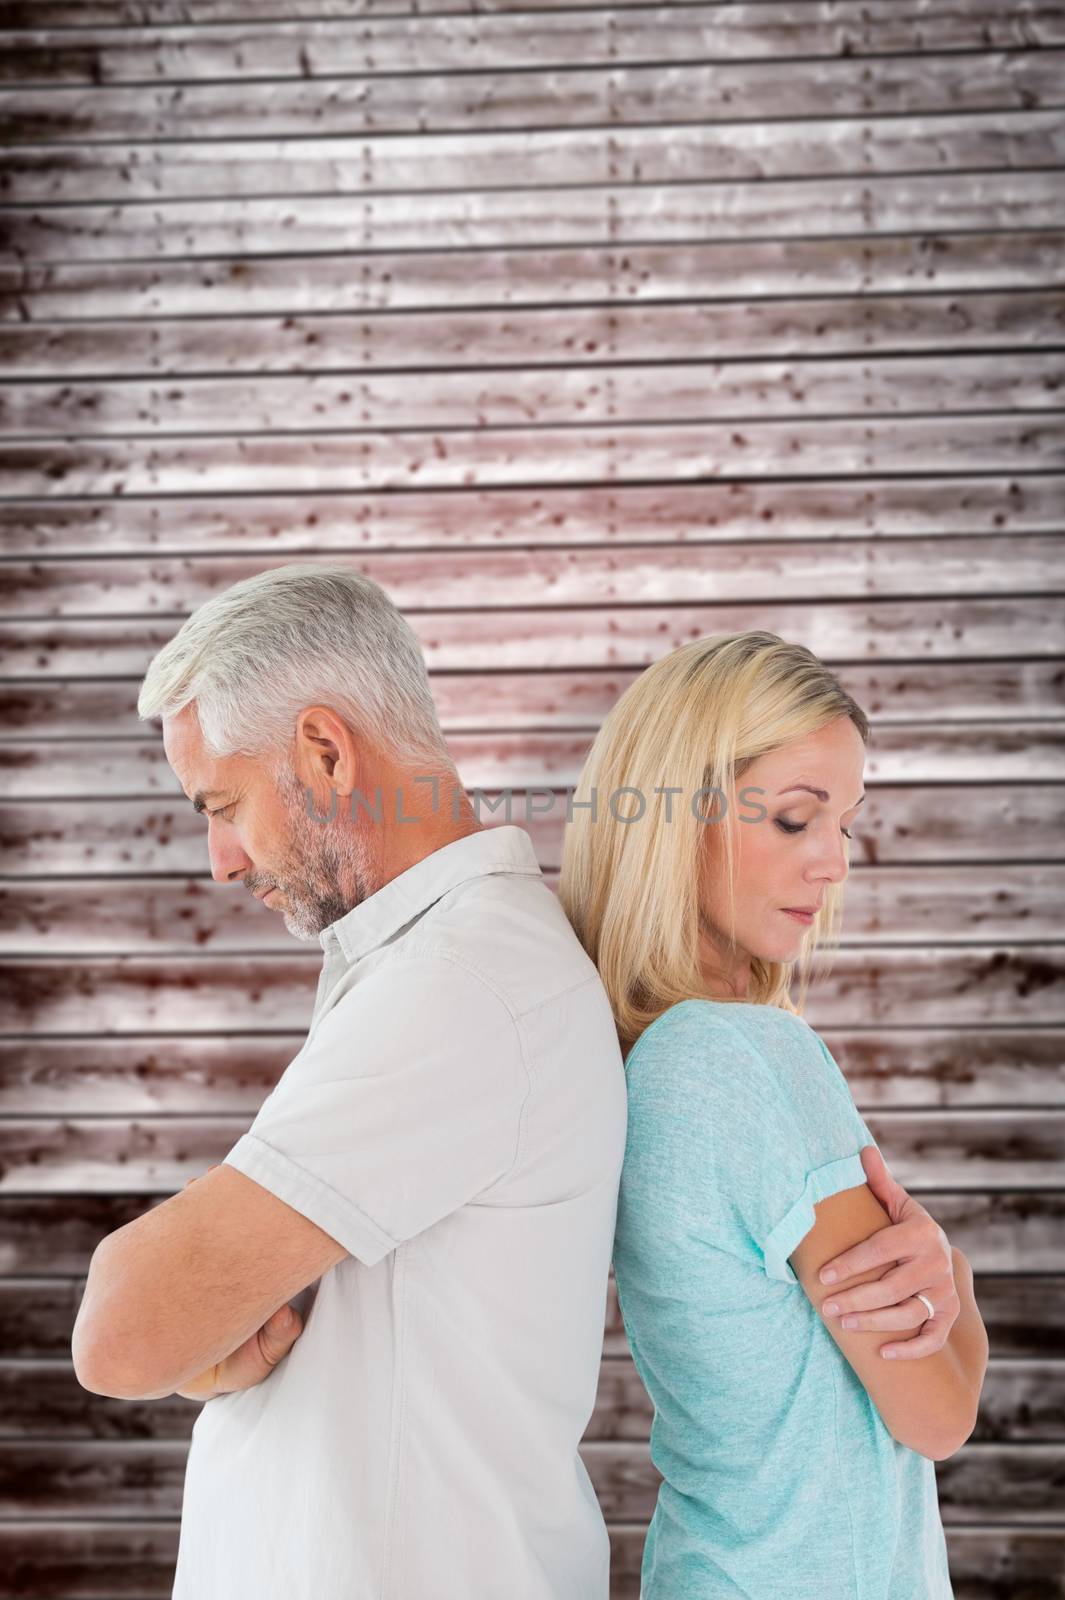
(974, 752)
(690, 392)
(748, 511)
(614, 215)
(134, 1560)
(497, 457)
(1022, 1402)
(124, 1478)
(159, 14)
(486, 159)
(929, 1149)
(213, 1076)
(92, 996)
(604, 637)
(49, 1239)
(962, 691)
(889, 1067)
(633, 95)
(384, 44)
(997, 985)
(298, 283)
(584, 336)
(1014, 564)
(972, 1149)
(179, 14)
(939, 826)
(897, 905)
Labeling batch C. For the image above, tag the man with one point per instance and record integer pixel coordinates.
(434, 1176)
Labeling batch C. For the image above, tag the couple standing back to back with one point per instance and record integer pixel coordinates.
(390, 1294)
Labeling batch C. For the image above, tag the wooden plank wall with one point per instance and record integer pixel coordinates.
(585, 330)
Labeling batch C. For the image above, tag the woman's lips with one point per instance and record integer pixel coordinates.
(805, 917)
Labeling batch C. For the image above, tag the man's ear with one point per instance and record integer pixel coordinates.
(326, 754)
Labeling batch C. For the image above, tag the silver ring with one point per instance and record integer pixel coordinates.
(928, 1303)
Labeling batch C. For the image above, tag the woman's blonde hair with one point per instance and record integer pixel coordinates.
(693, 722)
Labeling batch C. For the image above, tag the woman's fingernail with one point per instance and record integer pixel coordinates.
(850, 1322)
(831, 1308)
(828, 1276)
(888, 1355)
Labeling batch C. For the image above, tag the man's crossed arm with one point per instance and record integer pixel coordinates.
(190, 1283)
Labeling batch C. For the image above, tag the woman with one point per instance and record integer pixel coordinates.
(796, 1463)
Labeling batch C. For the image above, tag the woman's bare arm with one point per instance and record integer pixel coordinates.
(929, 1405)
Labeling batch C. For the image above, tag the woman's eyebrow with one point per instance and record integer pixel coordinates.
(822, 794)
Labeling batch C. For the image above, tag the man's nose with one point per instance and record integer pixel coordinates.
(229, 861)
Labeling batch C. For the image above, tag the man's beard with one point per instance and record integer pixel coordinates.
(328, 868)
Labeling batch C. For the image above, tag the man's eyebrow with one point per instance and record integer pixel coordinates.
(203, 795)
(822, 794)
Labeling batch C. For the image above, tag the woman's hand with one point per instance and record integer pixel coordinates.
(255, 1359)
(925, 1265)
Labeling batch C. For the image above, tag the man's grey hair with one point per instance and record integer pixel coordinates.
(303, 634)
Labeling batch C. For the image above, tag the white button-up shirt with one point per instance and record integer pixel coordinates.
(456, 1119)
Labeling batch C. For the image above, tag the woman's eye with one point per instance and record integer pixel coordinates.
(798, 827)
(222, 810)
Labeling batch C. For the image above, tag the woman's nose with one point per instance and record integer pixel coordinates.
(832, 863)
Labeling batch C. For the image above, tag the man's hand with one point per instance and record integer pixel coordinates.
(254, 1360)
(924, 1264)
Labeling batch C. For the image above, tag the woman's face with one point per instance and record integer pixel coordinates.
(789, 846)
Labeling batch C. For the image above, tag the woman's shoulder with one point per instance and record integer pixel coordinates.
(751, 1042)
(698, 1017)
(737, 1065)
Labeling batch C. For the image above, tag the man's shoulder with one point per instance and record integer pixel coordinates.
(509, 930)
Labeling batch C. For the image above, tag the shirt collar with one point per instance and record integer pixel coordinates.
(504, 848)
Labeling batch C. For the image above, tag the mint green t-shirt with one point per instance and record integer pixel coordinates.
(780, 1480)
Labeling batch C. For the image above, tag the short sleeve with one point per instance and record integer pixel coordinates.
(404, 1104)
(749, 1122)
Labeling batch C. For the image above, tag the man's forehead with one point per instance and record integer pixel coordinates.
(182, 730)
(198, 775)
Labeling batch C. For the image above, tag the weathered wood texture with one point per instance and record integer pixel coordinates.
(586, 330)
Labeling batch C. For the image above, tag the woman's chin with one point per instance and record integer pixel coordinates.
(777, 951)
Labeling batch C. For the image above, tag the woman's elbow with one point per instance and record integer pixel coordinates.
(939, 1443)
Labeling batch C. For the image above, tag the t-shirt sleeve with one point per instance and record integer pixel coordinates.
(748, 1126)
(403, 1105)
